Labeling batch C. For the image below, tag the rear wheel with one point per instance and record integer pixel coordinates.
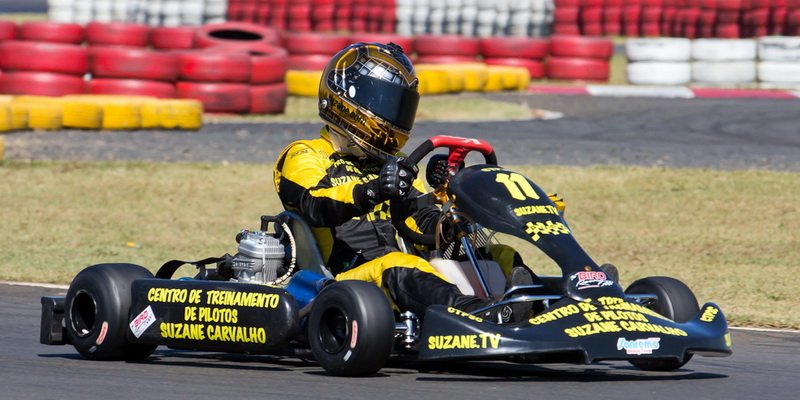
(675, 301)
(97, 306)
(351, 328)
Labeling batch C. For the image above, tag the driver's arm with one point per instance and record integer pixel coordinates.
(305, 186)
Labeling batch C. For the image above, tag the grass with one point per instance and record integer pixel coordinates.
(469, 106)
(731, 236)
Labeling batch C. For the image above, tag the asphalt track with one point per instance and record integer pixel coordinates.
(763, 366)
(707, 133)
(724, 134)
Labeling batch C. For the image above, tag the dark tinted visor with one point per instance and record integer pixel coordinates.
(394, 103)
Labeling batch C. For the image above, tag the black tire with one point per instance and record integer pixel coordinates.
(675, 301)
(351, 328)
(97, 307)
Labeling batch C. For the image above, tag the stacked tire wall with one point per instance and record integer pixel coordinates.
(770, 61)
(678, 18)
(150, 12)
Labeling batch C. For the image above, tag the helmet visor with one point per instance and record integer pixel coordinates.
(394, 103)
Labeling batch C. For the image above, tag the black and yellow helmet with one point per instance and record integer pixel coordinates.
(368, 93)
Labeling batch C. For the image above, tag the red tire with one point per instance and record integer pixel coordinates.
(407, 43)
(593, 15)
(308, 62)
(131, 87)
(17, 55)
(239, 34)
(581, 46)
(314, 43)
(217, 97)
(570, 68)
(172, 37)
(214, 66)
(54, 32)
(566, 29)
(514, 46)
(132, 63)
(447, 45)
(268, 64)
(40, 84)
(445, 59)
(117, 34)
(8, 30)
(268, 99)
(534, 67)
(566, 15)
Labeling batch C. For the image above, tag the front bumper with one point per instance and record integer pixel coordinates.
(574, 331)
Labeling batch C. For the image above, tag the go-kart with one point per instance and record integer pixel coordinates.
(275, 295)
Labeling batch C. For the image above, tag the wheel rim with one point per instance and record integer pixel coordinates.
(83, 313)
(334, 330)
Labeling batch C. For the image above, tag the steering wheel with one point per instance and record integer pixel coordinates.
(459, 148)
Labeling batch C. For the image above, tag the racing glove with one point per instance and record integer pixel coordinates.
(394, 181)
(396, 178)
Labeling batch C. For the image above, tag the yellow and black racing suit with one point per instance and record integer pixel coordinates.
(355, 236)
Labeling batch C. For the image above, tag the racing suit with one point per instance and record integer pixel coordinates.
(355, 236)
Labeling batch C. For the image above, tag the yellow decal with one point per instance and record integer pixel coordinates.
(593, 328)
(615, 303)
(223, 333)
(528, 210)
(556, 314)
(728, 340)
(211, 314)
(709, 314)
(548, 228)
(461, 342)
(242, 299)
(460, 313)
(518, 187)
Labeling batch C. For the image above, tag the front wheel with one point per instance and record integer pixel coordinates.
(675, 301)
(351, 328)
(96, 312)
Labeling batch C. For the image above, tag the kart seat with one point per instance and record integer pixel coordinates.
(308, 255)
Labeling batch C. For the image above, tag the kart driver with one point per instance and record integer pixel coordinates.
(341, 183)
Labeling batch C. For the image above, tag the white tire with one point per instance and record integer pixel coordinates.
(219, 9)
(405, 14)
(658, 49)
(659, 73)
(171, 9)
(724, 71)
(404, 29)
(404, 3)
(60, 4)
(779, 72)
(779, 48)
(61, 15)
(724, 49)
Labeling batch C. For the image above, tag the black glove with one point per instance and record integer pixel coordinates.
(438, 171)
(396, 179)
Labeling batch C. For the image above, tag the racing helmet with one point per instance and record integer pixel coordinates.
(368, 94)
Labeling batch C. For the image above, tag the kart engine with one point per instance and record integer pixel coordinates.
(264, 258)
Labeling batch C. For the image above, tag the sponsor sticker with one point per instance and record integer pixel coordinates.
(102, 336)
(590, 279)
(639, 346)
(142, 321)
(354, 335)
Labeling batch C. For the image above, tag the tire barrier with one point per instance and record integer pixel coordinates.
(771, 61)
(40, 83)
(132, 63)
(150, 12)
(318, 15)
(117, 34)
(17, 55)
(217, 97)
(268, 99)
(172, 37)
(236, 34)
(213, 66)
(314, 43)
(579, 58)
(98, 112)
(131, 87)
(8, 30)
(303, 83)
(47, 31)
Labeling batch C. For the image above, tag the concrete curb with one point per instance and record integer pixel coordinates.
(670, 92)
